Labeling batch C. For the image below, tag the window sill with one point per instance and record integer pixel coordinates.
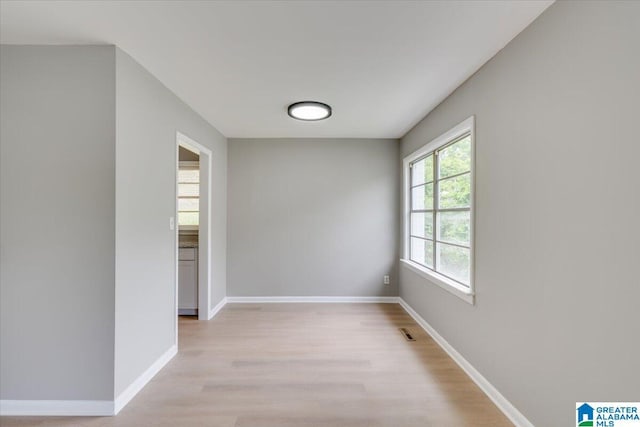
(448, 285)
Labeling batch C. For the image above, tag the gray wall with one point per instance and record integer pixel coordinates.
(57, 159)
(556, 319)
(312, 217)
(148, 116)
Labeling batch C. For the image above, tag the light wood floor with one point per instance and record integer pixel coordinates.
(302, 365)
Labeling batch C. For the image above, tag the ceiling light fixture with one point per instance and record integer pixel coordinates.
(309, 111)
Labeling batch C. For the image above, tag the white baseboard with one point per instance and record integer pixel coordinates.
(106, 407)
(67, 408)
(312, 299)
(500, 401)
(85, 407)
(133, 389)
(217, 308)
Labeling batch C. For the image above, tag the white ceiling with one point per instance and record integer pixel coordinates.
(381, 65)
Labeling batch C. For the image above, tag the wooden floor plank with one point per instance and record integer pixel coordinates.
(302, 365)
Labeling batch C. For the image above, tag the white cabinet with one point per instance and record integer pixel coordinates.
(188, 281)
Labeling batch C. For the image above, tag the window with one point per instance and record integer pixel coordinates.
(438, 231)
(188, 195)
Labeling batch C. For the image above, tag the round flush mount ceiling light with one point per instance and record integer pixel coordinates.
(309, 111)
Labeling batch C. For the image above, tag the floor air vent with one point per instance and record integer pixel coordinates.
(407, 334)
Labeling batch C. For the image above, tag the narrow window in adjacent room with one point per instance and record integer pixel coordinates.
(188, 195)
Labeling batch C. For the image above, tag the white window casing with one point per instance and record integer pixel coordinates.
(441, 260)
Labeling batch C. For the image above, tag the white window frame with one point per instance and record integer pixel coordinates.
(465, 293)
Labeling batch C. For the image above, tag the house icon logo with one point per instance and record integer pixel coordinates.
(585, 415)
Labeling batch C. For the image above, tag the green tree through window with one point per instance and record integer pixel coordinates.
(441, 202)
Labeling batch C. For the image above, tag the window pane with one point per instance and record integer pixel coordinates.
(188, 175)
(422, 171)
(422, 224)
(454, 227)
(188, 190)
(455, 192)
(189, 205)
(422, 197)
(422, 251)
(454, 262)
(456, 158)
(188, 218)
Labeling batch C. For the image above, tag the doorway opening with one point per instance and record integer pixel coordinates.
(193, 231)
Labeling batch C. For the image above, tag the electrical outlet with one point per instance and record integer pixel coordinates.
(172, 223)
(386, 280)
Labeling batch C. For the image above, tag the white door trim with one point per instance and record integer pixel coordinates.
(204, 233)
